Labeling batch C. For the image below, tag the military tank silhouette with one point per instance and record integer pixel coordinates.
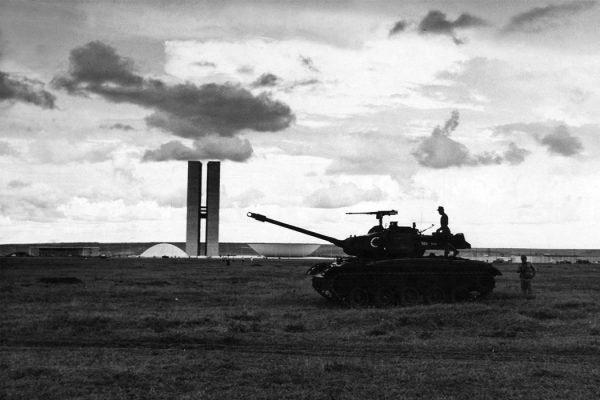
(387, 267)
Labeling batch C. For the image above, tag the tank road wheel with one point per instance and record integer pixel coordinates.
(384, 297)
(459, 294)
(358, 297)
(435, 294)
(322, 288)
(326, 293)
(485, 285)
(410, 296)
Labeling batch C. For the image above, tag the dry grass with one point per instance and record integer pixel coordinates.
(188, 329)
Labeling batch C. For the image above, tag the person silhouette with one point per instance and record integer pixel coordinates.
(526, 273)
(445, 234)
(443, 229)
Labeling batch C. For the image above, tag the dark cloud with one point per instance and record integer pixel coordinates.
(6, 149)
(25, 90)
(562, 142)
(17, 184)
(172, 123)
(556, 137)
(398, 27)
(435, 22)
(306, 82)
(173, 150)
(95, 65)
(539, 19)
(308, 63)
(515, 155)
(267, 79)
(487, 158)
(440, 151)
(468, 21)
(210, 147)
(185, 110)
(206, 64)
(121, 126)
(21, 89)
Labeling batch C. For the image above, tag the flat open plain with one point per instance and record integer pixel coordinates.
(198, 329)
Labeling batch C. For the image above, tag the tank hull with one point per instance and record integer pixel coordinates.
(403, 281)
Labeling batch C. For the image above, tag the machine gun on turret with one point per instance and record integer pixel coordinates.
(378, 215)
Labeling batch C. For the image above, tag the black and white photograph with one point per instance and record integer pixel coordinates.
(287, 199)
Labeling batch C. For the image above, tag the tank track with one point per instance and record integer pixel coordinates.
(402, 283)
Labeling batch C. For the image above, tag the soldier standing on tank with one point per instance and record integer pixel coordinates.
(526, 274)
(443, 229)
(444, 232)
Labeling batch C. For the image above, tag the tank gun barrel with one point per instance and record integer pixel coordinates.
(262, 218)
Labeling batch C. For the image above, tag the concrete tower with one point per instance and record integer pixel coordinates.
(195, 212)
(194, 194)
(213, 181)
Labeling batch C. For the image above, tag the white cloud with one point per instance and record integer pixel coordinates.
(337, 195)
(517, 206)
(31, 202)
(208, 147)
(61, 151)
(252, 197)
(346, 81)
(81, 209)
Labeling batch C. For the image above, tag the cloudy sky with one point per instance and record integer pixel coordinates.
(315, 108)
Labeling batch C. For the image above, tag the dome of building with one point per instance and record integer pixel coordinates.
(283, 249)
(164, 250)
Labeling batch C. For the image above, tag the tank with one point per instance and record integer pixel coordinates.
(388, 267)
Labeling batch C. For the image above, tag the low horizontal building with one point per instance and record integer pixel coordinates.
(64, 251)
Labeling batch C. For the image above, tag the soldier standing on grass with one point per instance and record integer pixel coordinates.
(526, 274)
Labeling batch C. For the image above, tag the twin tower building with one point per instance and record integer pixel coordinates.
(196, 212)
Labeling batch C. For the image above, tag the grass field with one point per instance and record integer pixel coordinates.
(190, 329)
